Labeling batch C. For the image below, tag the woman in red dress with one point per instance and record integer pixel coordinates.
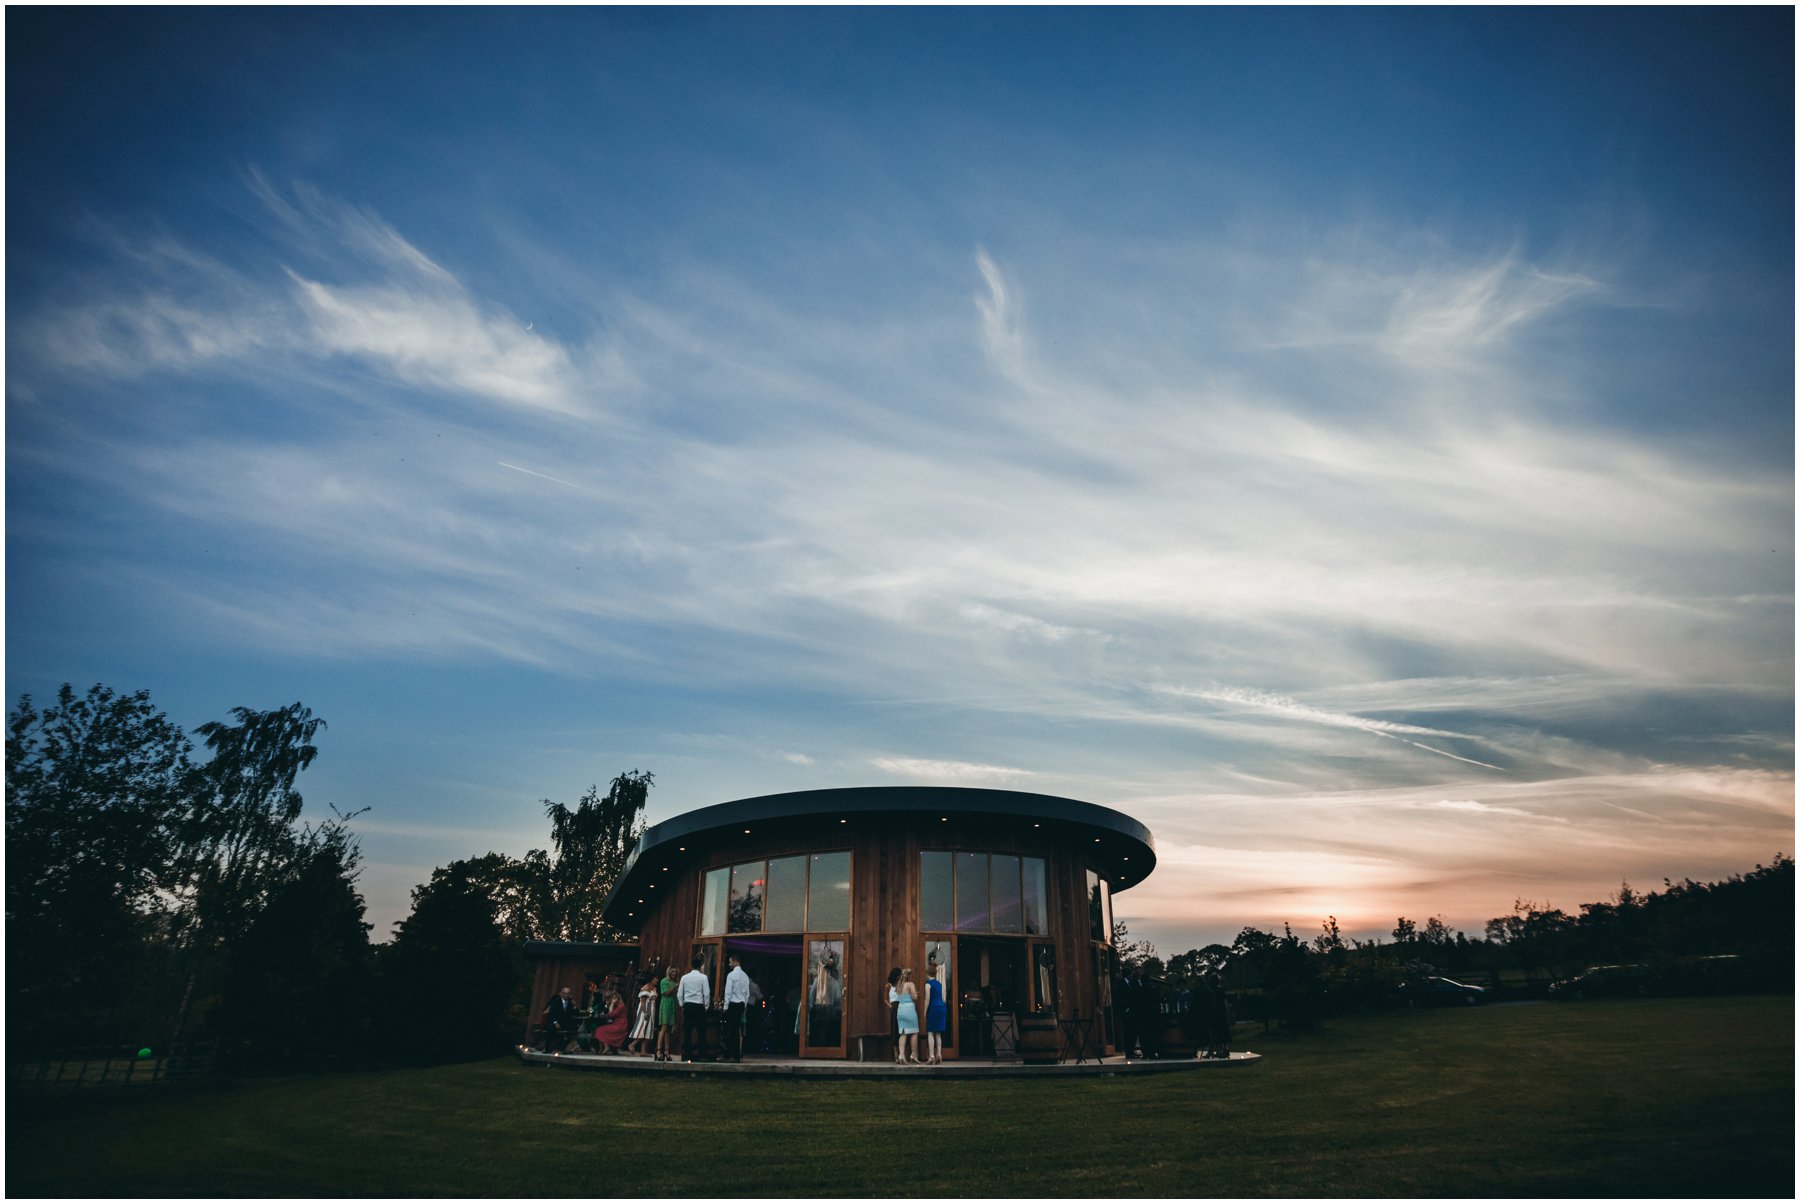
(610, 1032)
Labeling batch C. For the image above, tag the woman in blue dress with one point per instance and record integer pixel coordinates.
(937, 1018)
(906, 1018)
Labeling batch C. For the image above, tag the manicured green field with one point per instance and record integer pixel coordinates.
(1684, 1097)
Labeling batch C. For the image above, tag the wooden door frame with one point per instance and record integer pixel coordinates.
(806, 1049)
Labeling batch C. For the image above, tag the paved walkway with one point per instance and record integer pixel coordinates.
(817, 1068)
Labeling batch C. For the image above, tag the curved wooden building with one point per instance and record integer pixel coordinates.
(1004, 896)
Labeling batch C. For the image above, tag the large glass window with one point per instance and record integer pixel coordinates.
(784, 898)
(1037, 896)
(971, 892)
(1097, 928)
(937, 895)
(747, 883)
(1004, 885)
(828, 893)
(983, 892)
(712, 901)
(805, 893)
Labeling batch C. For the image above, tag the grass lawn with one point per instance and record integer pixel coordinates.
(1659, 1097)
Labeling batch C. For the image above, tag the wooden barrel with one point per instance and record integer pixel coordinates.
(1039, 1040)
(1176, 1043)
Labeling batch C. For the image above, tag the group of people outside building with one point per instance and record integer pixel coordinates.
(903, 999)
(609, 1026)
(692, 992)
(667, 1002)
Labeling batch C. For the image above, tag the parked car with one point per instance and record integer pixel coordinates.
(1447, 992)
(1602, 981)
(1715, 974)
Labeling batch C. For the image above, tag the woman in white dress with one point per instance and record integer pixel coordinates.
(893, 1006)
(643, 1029)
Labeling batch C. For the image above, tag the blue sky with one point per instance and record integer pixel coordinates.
(1359, 444)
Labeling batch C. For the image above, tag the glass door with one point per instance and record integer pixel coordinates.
(940, 955)
(775, 965)
(822, 997)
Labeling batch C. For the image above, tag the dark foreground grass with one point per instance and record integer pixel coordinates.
(1613, 1098)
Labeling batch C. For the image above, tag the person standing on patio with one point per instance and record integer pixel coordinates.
(695, 995)
(737, 998)
(893, 1006)
(665, 1014)
(643, 1024)
(1216, 1013)
(937, 1019)
(907, 1016)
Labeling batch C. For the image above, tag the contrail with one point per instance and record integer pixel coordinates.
(1440, 752)
(1289, 708)
(528, 472)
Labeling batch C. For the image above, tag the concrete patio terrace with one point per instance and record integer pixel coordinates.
(819, 1068)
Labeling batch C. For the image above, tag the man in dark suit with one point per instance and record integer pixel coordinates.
(560, 1022)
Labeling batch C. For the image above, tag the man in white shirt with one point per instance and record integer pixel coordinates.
(694, 993)
(737, 998)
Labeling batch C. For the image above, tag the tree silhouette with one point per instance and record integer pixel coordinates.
(94, 789)
(449, 977)
(298, 988)
(591, 842)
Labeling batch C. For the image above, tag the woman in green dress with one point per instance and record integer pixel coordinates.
(665, 1012)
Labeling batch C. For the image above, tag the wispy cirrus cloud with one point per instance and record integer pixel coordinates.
(725, 488)
(410, 320)
(948, 772)
(439, 339)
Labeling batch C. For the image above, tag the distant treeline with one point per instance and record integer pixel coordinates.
(155, 896)
(1747, 917)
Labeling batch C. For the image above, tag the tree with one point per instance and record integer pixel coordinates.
(94, 787)
(512, 886)
(450, 975)
(238, 838)
(1135, 957)
(239, 829)
(591, 843)
(1293, 982)
(298, 991)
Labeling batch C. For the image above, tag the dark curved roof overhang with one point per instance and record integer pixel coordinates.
(1122, 849)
